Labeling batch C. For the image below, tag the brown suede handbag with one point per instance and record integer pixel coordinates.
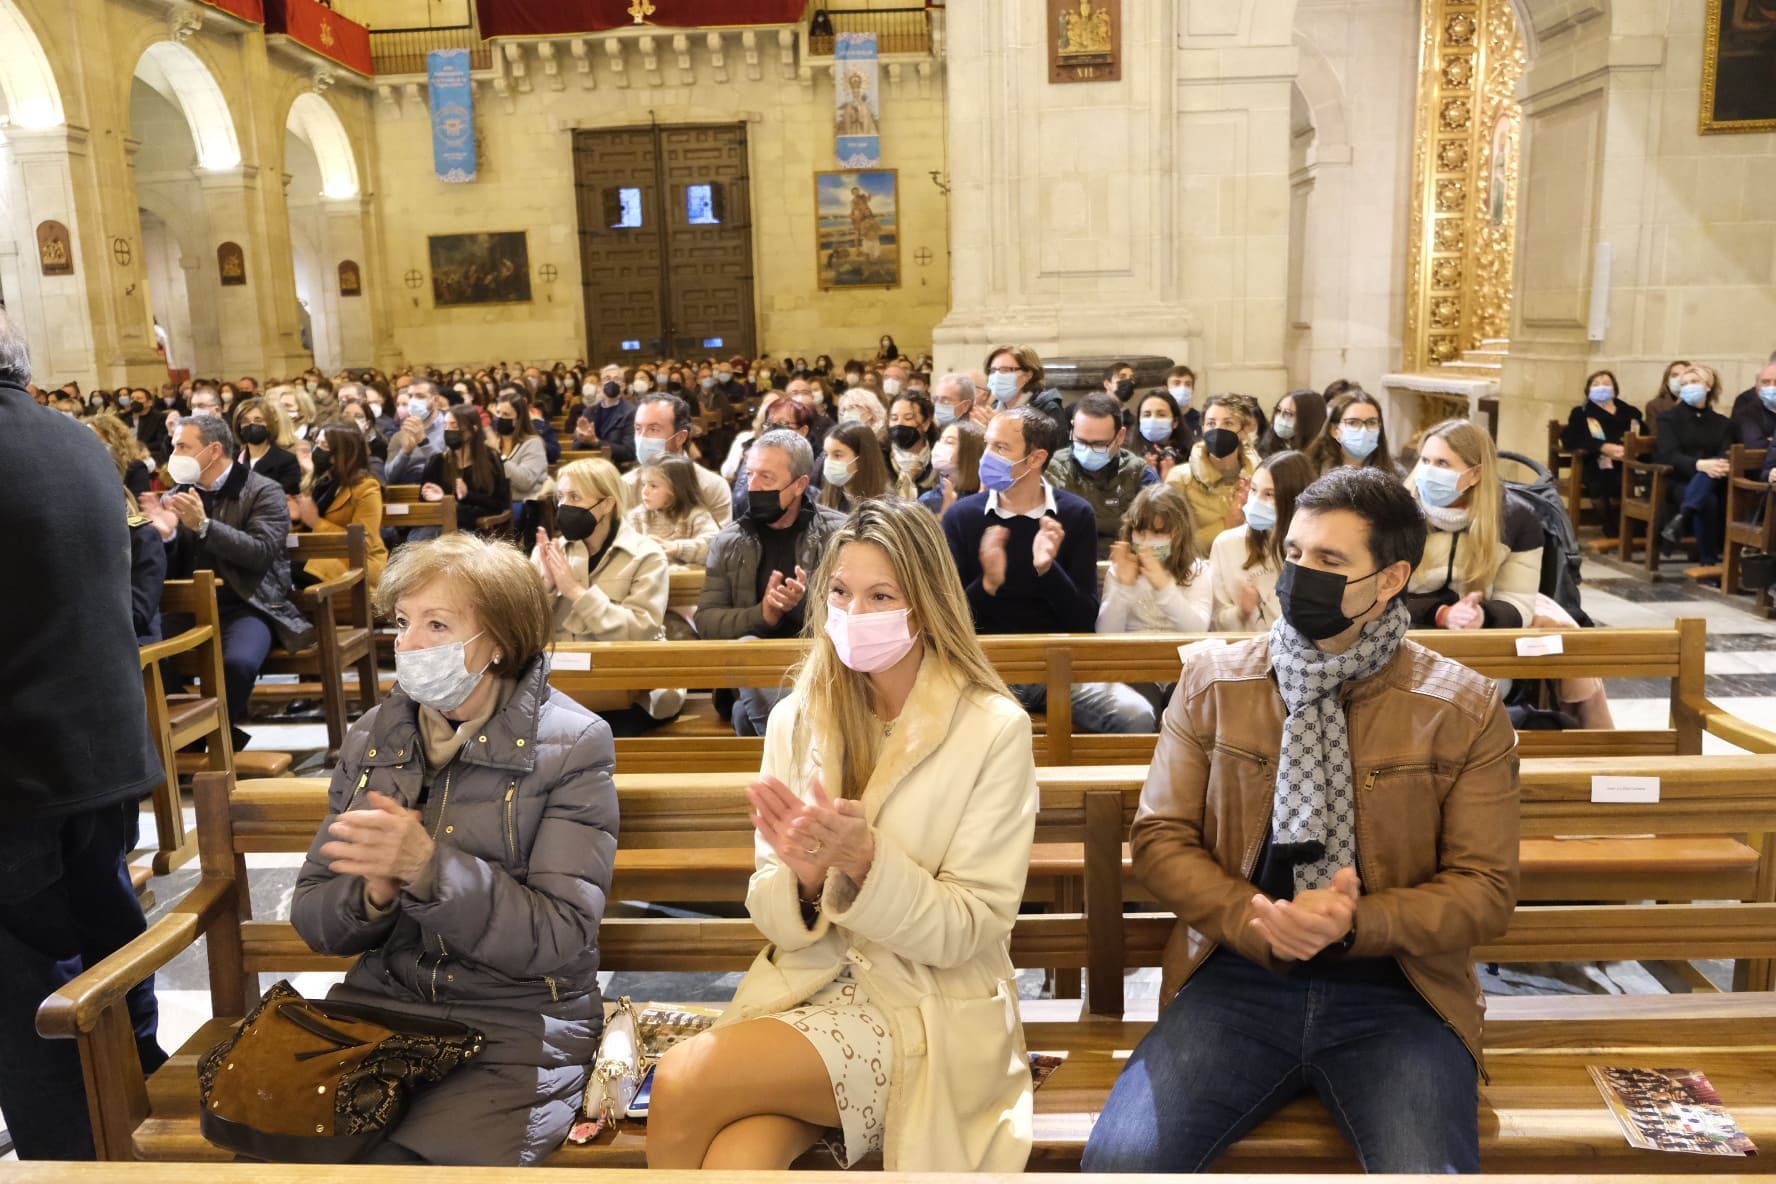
(306, 1081)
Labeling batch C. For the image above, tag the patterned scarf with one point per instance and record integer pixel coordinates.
(1314, 821)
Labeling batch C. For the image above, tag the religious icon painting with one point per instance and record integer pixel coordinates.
(857, 221)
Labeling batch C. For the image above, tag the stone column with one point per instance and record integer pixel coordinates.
(92, 326)
(354, 337)
(1614, 165)
(1143, 216)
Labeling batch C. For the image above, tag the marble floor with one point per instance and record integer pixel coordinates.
(1741, 670)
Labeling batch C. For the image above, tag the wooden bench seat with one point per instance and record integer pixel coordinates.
(1539, 1112)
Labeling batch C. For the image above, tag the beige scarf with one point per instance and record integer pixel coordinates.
(440, 738)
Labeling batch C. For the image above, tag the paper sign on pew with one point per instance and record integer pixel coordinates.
(570, 661)
(394, 509)
(1627, 791)
(1540, 647)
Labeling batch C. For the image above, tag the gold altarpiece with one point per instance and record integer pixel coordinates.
(1464, 174)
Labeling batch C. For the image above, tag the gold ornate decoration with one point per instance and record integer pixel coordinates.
(1464, 170)
(641, 10)
(1737, 55)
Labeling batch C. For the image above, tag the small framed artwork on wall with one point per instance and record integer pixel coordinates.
(1084, 40)
(1738, 64)
(480, 268)
(857, 228)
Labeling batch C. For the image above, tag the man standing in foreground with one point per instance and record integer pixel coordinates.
(1332, 814)
(77, 756)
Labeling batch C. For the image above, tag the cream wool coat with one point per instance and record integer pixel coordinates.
(952, 803)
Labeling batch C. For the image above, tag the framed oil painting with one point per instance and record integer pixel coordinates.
(857, 220)
(1738, 64)
(489, 268)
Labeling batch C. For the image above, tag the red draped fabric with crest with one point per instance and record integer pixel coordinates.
(534, 18)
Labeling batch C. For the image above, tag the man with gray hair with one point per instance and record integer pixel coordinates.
(952, 398)
(420, 434)
(756, 576)
(77, 755)
(225, 517)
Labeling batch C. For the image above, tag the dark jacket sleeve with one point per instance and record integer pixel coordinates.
(486, 503)
(551, 439)
(621, 439)
(1577, 437)
(1668, 447)
(1071, 584)
(965, 549)
(148, 573)
(551, 919)
(725, 612)
(256, 544)
(281, 465)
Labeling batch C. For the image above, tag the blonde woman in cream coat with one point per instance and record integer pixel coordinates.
(895, 811)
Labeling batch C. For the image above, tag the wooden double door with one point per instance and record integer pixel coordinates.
(665, 242)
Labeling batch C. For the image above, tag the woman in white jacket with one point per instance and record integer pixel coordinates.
(1482, 565)
(895, 811)
(606, 582)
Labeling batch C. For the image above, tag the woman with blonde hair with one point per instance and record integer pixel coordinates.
(135, 464)
(606, 582)
(861, 405)
(1694, 440)
(1482, 564)
(895, 810)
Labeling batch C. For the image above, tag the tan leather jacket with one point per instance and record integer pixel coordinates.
(1434, 759)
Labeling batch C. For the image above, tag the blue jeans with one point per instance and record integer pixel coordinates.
(65, 903)
(1099, 708)
(1704, 499)
(1237, 1042)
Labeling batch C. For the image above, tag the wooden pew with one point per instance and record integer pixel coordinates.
(1644, 490)
(683, 586)
(339, 609)
(177, 721)
(1751, 518)
(1568, 469)
(1537, 1052)
(699, 742)
(403, 508)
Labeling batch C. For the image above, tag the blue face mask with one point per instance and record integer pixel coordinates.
(1284, 427)
(1360, 442)
(1693, 393)
(1260, 516)
(1090, 459)
(944, 414)
(836, 472)
(1768, 395)
(1003, 387)
(1438, 487)
(648, 448)
(1602, 394)
(996, 472)
(1156, 429)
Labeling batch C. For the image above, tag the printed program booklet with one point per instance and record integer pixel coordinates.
(1671, 1110)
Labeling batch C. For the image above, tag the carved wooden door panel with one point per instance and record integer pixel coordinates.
(665, 242)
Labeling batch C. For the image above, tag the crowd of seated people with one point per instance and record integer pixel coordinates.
(893, 517)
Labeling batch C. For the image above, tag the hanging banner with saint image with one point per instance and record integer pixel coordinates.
(453, 114)
(857, 100)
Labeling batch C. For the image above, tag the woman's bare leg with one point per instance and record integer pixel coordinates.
(727, 1076)
(762, 1141)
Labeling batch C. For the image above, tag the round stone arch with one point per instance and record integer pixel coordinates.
(314, 121)
(199, 97)
(27, 81)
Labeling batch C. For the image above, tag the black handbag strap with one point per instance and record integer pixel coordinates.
(297, 1012)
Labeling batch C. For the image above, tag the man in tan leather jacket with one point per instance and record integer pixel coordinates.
(1332, 815)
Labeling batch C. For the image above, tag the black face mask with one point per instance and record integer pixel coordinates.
(323, 461)
(905, 437)
(255, 433)
(764, 506)
(453, 439)
(576, 523)
(613, 390)
(504, 427)
(1125, 389)
(1221, 443)
(1313, 600)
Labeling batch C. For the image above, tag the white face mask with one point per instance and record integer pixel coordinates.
(438, 677)
(184, 470)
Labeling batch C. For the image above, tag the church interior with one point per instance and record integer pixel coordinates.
(1548, 223)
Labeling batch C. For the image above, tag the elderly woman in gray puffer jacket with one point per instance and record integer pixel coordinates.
(467, 854)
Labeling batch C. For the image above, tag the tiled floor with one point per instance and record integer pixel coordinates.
(1742, 678)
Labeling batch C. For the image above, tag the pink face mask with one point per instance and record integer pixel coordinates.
(869, 642)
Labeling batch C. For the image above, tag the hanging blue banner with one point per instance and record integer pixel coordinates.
(453, 114)
(857, 101)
